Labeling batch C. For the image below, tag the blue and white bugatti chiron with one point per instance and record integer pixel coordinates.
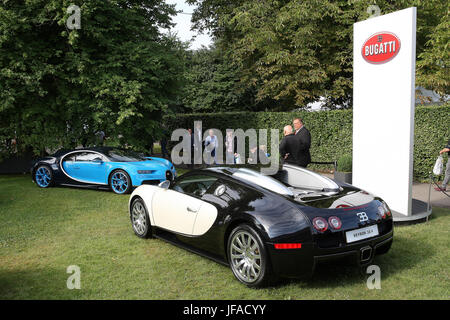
(101, 167)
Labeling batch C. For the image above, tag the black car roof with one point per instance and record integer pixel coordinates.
(97, 149)
(230, 169)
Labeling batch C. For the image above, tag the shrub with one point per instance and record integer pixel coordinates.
(344, 164)
(331, 131)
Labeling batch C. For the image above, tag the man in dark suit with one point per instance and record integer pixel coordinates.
(191, 135)
(288, 146)
(303, 137)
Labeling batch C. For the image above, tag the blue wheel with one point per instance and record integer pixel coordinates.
(120, 182)
(43, 176)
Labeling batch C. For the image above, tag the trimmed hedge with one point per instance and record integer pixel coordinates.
(331, 131)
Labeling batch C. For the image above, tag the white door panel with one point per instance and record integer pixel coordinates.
(170, 211)
(205, 219)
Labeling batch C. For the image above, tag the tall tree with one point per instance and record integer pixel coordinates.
(297, 51)
(213, 84)
(117, 73)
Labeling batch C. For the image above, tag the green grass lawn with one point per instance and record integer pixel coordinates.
(42, 232)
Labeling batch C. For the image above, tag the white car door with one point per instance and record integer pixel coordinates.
(175, 211)
(179, 211)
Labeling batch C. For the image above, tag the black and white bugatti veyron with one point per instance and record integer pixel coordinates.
(264, 227)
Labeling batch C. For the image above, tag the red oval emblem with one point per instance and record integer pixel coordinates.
(380, 48)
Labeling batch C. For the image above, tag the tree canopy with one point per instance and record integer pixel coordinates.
(297, 51)
(118, 73)
(213, 84)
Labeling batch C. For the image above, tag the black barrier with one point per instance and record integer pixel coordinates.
(334, 163)
(16, 164)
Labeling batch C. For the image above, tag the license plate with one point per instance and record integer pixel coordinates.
(360, 234)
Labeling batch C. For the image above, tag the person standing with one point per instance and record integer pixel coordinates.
(163, 143)
(230, 147)
(447, 169)
(197, 140)
(100, 135)
(191, 137)
(288, 145)
(303, 138)
(211, 145)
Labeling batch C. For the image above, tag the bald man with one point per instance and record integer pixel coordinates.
(288, 145)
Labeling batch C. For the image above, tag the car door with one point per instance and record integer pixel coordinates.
(178, 208)
(70, 167)
(86, 166)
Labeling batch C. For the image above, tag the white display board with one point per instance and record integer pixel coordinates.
(384, 55)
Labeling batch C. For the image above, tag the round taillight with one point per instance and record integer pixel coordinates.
(382, 212)
(320, 224)
(335, 222)
(386, 209)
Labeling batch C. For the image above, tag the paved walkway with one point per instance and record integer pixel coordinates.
(437, 198)
(420, 192)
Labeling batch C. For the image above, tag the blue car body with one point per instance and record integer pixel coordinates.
(101, 167)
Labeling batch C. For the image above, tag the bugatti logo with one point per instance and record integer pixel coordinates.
(362, 216)
(220, 190)
(380, 47)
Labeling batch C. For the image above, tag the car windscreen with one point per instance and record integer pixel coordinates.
(122, 155)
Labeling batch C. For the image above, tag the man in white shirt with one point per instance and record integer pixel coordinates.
(197, 136)
(211, 145)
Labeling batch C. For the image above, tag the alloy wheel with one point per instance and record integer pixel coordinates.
(138, 218)
(119, 182)
(43, 177)
(245, 257)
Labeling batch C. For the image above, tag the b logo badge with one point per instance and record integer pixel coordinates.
(362, 216)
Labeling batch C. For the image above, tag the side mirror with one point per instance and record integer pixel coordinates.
(97, 160)
(165, 184)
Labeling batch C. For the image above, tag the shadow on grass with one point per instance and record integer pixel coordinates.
(403, 255)
(37, 284)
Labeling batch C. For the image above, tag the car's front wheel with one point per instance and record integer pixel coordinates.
(120, 182)
(43, 176)
(248, 257)
(140, 220)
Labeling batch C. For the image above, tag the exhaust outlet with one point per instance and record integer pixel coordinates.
(366, 254)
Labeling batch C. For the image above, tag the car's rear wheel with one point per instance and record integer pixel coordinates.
(120, 182)
(248, 257)
(43, 176)
(140, 220)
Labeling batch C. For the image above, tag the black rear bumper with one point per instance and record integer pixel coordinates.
(363, 252)
(300, 263)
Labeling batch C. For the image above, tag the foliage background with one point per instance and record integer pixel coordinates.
(293, 52)
(58, 87)
(331, 131)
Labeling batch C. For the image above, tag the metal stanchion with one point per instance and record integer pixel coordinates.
(429, 194)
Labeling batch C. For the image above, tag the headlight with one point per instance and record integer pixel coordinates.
(145, 171)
